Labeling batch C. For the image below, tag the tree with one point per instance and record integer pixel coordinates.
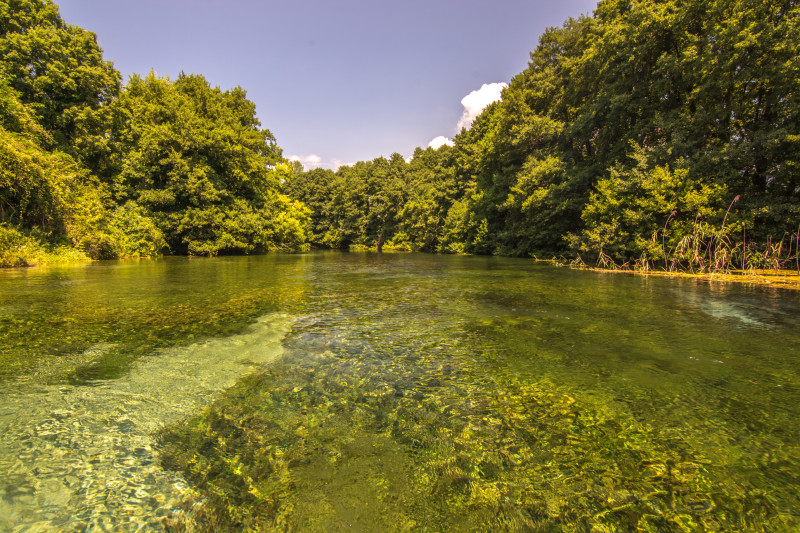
(385, 191)
(195, 158)
(58, 69)
(42, 191)
(315, 189)
(629, 214)
(431, 192)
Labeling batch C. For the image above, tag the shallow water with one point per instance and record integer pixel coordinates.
(82, 457)
(435, 392)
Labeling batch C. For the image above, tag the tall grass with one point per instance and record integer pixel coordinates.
(711, 249)
(708, 250)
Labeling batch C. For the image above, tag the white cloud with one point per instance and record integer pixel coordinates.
(440, 141)
(314, 161)
(476, 101)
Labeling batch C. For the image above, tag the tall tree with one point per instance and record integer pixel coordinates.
(42, 191)
(197, 160)
(431, 192)
(58, 69)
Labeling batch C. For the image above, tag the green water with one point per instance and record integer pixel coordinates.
(337, 392)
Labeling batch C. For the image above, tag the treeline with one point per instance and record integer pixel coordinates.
(658, 133)
(92, 167)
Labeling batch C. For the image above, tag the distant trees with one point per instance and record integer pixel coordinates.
(355, 205)
(432, 189)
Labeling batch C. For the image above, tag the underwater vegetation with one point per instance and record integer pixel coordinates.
(338, 436)
(91, 321)
(413, 392)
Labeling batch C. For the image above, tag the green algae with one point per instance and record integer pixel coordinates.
(432, 393)
(88, 322)
(309, 446)
(489, 407)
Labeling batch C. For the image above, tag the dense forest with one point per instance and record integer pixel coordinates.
(658, 133)
(90, 167)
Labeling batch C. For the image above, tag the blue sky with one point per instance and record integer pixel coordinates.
(343, 80)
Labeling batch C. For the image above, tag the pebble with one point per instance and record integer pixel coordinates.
(84, 458)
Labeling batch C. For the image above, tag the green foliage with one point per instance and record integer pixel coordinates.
(385, 191)
(707, 93)
(58, 69)
(134, 233)
(314, 189)
(356, 205)
(162, 165)
(196, 160)
(644, 210)
(19, 248)
(16, 249)
(457, 225)
(45, 192)
(432, 192)
(712, 87)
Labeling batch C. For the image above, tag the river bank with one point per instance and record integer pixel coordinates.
(780, 279)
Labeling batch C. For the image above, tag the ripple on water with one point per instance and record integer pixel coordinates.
(78, 457)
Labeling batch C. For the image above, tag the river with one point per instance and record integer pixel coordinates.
(413, 391)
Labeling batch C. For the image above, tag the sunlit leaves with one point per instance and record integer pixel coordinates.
(629, 213)
(59, 70)
(197, 160)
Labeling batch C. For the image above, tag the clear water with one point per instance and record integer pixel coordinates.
(396, 392)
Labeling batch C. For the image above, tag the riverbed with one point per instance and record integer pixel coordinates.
(397, 390)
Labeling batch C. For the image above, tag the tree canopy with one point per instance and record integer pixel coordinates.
(630, 131)
(149, 167)
(195, 158)
(645, 132)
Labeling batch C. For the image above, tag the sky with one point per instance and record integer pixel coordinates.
(336, 81)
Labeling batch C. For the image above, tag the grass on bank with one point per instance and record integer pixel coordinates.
(22, 249)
